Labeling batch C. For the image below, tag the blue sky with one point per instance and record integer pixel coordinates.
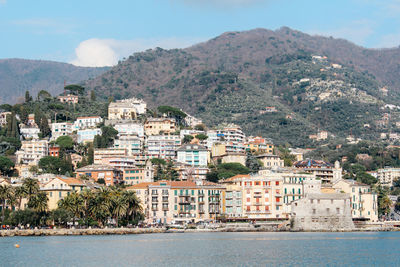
(98, 33)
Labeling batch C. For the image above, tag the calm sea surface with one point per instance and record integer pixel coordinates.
(205, 249)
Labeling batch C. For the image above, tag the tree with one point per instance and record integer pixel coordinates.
(176, 113)
(6, 165)
(90, 155)
(39, 203)
(6, 192)
(201, 137)
(200, 127)
(108, 134)
(74, 204)
(253, 163)
(92, 96)
(61, 216)
(28, 97)
(50, 164)
(65, 142)
(226, 170)
(20, 193)
(75, 89)
(119, 206)
(31, 187)
(43, 95)
(187, 139)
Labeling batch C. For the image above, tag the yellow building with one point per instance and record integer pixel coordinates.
(58, 188)
(178, 202)
(271, 161)
(364, 202)
(155, 126)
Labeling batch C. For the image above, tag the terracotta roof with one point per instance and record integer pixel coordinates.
(239, 176)
(71, 181)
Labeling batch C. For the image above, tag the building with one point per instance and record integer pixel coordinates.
(32, 151)
(388, 175)
(101, 155)
(126, 109)
(76, 158)
(191, 173)
(162, 146)
(193, 154)
(60, 187)
(231, 136)
(192, 121)
(87, 135)
(3, 118)
(109, 174)
(29, 132)
(54, 151)
(132, 143)
(262, 196)
(364, 202)
(129, 128)
(317, 212)
(219, 153)
(157, 126)
(137, 175)
(70, 99)
(259, 144)
(271, 161)
(179, 202)
(327, 172)
(82, 123)
(61, 129)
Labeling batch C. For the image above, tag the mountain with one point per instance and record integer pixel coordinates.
(313, 82)
(20, 75)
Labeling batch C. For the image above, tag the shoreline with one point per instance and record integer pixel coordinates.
(132, 231)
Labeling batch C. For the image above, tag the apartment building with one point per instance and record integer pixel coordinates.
(102, 154)
(259, 144)
(3, 118)
(82, 123)
(364, 202)
(87, 135)
(139, 174)
(61, 129)
(327, 172)
(126, 109)
(271, 161)
(178, 202)
(193, 154)
(387, 175)
(60, 187)
(129, 128)
(109, 174)
(162, 146)
(29, 131)
(32, 151)
(132, 143)
(157, 126)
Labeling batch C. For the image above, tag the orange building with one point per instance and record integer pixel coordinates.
(109, 174)
(54, 151)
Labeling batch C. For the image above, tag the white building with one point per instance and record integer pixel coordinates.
(87, 135)
(132, 143)
(231, 135)
(162, 146)
(82, 123)
(3, 118)
(127, 128)
(61, 129)
(387, 175)
(193, 154)
(192, 121)
(126, 109)
(29, 132)
(32, 151)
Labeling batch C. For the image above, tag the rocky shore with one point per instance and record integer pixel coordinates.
(62, 231)
(130, 231)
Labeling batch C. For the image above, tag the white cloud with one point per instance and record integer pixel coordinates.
(106, 52)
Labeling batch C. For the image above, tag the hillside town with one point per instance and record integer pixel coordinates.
(178, 171)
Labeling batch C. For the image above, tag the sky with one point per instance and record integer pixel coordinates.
(101, 32)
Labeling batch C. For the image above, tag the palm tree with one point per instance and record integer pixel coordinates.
(86, 196)
(39, 202)
(99, 206)
(6, 192)
(72, 203)
(20, 193)
(31, 187)
(134, 207)
(119, 207)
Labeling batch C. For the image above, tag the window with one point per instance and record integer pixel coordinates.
(313, 211)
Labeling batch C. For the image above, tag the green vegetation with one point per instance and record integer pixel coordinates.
(225, 170)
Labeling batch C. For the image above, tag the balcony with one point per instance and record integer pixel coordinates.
(258, 211)
(184, 212)
(279, 203)
(165, 208)
(183, 201)
(258, 204)
(154, 208)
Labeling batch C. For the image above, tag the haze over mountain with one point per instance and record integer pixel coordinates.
(20, 75)
(233, 77)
